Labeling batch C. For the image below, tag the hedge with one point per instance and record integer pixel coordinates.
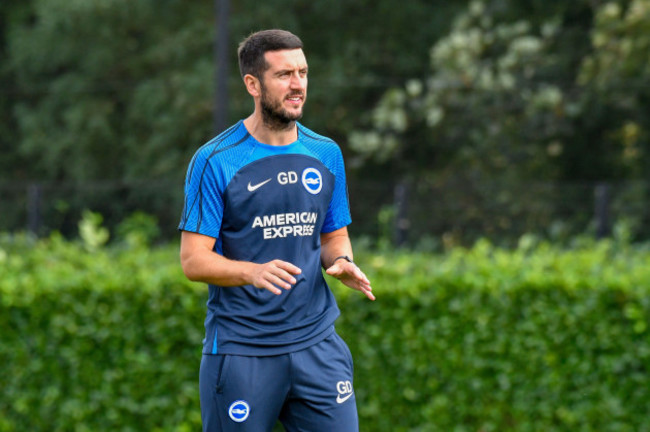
(539, 338)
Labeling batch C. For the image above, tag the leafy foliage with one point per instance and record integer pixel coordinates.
(466, 96)
(109, 86)
(517, 97)
(122, 90)
(97, 339)
(616, 74)
(487, 339)
(536, 338)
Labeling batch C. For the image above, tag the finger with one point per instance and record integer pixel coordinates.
(284, 275)
(362, 276)
(287, 267)
(369, 294)
(363, 285)
(359, 276)
(283, 282)
(334, 270)
(343, 267)
(270, 287)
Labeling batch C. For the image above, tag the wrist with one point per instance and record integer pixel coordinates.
(342, 257)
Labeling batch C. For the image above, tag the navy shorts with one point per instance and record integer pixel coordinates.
(309, 390)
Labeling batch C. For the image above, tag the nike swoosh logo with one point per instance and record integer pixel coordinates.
(252, 188)
(340, 398)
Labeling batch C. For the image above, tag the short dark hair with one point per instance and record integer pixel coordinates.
(252, 49)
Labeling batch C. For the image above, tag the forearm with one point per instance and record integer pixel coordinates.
(212, 268)
(334, 245)
(201, 264)
(337, 244)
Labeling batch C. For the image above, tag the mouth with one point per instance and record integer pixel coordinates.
(295, 99)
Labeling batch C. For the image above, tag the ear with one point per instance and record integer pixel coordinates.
(252, 85)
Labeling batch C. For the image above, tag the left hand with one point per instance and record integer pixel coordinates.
(352, 276)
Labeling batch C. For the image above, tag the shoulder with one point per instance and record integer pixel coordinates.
(225, 148)
(310, 137)
(220, 158)
(324, 148)
(226, 141)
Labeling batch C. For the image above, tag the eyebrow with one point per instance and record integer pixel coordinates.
(285, 70)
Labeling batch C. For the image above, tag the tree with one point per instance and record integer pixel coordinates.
(564, 98)
(113, 89)
(511, 101)
(10, 160)
(123, 90)
(491, 106)
(115, 93)
(615, 79)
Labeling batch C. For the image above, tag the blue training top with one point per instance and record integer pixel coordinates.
(261, 203)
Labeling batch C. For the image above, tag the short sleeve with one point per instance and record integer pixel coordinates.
(203, 205)
(338, 212)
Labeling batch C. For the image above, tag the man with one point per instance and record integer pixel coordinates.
(265, 207)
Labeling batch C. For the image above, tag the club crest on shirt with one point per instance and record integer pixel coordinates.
(312, 180)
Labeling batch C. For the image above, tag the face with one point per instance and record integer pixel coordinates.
(284, 87)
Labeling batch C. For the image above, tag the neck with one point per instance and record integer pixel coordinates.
(271, 134)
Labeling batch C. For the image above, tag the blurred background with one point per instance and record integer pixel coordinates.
(498, 160)
(458, 120)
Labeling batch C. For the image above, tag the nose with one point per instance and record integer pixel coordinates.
(297, 81)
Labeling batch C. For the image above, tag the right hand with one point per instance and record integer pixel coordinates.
(274, 274)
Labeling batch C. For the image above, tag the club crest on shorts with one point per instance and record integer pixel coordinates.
(312, 180)
(239, 411)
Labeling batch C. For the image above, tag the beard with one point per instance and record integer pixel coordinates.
(274, 115)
